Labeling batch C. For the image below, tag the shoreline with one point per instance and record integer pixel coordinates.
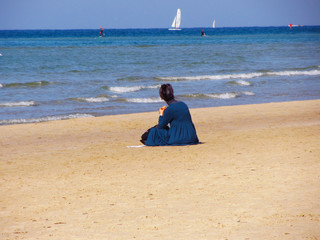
(254, 177)
(87, 115)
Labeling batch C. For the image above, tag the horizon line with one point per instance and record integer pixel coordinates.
(131, 28)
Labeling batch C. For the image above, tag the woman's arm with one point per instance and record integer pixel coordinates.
(165, 119)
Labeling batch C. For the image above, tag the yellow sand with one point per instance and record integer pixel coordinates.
(256, 176)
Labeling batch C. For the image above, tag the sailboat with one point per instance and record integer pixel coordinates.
(176, 21)
(294, 25)
(214, 24)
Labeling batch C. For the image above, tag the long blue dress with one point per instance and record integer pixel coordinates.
(181, 131)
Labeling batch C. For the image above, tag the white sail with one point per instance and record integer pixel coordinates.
(214, 24)
(176, 21)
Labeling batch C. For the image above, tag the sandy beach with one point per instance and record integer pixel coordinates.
(255, 176)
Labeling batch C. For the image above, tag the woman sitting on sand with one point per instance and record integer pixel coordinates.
(181, 130)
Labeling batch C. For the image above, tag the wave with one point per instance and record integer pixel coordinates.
(44, 119)
(131, 89)
(228, 95)
(130, 78)
(248, 93)
(27, 84)
(305, 68)
(143, 100)
(213, 77)
(18, 104)
(241, 83)
(213, 95)
(91, 100)
(240, 75)
(223, 95)
(295, 73)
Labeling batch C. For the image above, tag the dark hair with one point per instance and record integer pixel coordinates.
(166, 92)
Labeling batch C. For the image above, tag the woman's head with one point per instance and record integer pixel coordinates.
(166, 92)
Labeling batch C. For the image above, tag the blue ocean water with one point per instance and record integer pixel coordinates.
(60, 74)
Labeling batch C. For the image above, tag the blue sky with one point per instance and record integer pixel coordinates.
(91, 14)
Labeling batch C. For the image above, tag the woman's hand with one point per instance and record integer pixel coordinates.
(161, 110)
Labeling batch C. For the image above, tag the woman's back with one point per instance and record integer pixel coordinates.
(181, 131)
(175, 126)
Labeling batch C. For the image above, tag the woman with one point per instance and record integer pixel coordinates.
(181, 130)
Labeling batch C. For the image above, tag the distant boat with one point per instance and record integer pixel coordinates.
(294, 25)
(176, 21)
(214, 24)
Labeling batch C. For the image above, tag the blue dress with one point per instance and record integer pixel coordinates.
(181, 131)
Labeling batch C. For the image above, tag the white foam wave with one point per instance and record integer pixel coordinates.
(223, 95)
(240, 76)
(124, 89)
(95, 100)
(144, 100)
(249, 93)
(243, 83)
(295, 73)
(214, 77)
(44, 119)
(230, 95)
(18, 104)
(1, 85)
(131, 89)
(227, 95)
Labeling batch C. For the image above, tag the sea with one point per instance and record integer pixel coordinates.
(50, 75)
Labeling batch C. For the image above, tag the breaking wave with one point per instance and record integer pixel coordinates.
(294, 73)
(27, 84)
(91, 100)
(131, 89)
(228, 95)
(44, 119)
(240, 75)
(241, 83)
(18, 104)
(143, 100)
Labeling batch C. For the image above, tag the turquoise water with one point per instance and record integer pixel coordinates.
(60, 74)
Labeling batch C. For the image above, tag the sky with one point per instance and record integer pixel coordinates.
(91, 14)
